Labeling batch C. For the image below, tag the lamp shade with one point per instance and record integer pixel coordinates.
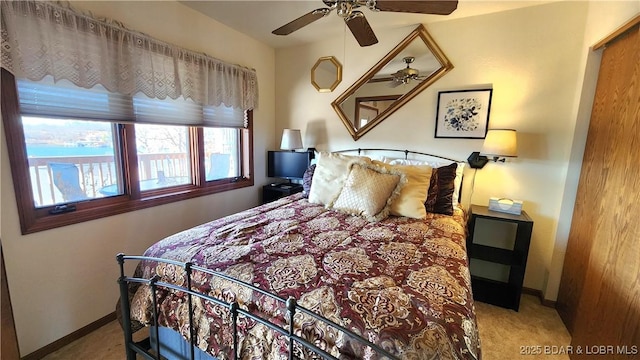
(291, 139)
(500, 142)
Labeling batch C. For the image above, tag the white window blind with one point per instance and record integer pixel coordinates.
(46, 38)
(224, 117)
(63, 99)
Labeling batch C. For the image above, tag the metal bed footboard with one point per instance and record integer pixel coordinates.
(132, 348)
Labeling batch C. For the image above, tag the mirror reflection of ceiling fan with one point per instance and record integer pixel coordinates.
(404, 76)
(356, 20)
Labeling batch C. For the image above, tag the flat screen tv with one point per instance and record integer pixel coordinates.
(287, 164)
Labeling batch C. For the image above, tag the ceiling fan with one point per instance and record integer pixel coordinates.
(404, 76)
(356, 20)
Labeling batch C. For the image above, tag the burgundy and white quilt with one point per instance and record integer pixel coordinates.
(401, 283)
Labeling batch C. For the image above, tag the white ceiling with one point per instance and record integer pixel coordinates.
(257, 18)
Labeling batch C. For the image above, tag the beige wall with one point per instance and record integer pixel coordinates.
(537, 60)
(534, 58)
(63, 279)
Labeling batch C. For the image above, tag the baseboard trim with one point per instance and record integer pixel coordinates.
(60, 343)
(540, 296)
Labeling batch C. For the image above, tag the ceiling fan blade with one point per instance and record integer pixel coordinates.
(398, 75)
(380, 79)
(394, 83)
(361, 29)
(301, 22)
(438, 7)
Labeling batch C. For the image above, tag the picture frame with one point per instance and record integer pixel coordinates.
(463, 114)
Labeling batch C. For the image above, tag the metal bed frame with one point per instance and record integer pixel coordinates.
(132, 348)
(406, 153)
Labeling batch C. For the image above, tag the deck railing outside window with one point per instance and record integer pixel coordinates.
(98, 172)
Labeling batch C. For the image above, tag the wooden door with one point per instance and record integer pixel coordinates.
(599, 298)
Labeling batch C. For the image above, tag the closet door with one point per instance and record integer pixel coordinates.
(599, 297)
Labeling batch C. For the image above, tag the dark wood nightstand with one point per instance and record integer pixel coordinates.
(275, 191)
(498, 247)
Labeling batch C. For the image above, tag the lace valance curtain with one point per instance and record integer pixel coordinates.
(44, 38)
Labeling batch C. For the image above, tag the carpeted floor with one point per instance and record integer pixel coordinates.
(505, 335)
(535, 332)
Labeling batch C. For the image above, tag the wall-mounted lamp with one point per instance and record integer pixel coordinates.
(291, 140)
(498, 144)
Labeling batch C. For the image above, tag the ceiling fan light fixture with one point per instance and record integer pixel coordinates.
(323, 11)
(407, 74)
(371, 4)
(344, 10)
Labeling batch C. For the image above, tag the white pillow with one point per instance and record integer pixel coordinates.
(331, 171)
(397, 161)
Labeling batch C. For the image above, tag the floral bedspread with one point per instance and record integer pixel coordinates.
(401, 283)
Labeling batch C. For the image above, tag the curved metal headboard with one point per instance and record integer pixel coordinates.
(406, 153)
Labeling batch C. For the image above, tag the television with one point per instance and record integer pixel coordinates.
(288, 164)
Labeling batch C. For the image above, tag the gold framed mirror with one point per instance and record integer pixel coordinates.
(326, 74)
(412, 66)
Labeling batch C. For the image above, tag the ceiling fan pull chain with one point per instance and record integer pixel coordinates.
(344, 45)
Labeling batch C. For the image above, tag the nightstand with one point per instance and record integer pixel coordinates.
(275, 191)
(498, 247)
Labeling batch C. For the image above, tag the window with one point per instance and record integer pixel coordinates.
(69, 160)
(163, 156)
(77, 157)
(222, 158)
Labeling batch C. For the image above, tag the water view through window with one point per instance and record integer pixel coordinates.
(77, 160)
(69, 160)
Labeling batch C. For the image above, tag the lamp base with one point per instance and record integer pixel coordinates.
(477, 161)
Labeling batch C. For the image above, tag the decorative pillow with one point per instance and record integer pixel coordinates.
(369, 191)
(306, 180)
(457, 183)
(329, 176)
(436, 164)
(440, 195)
(410, 202)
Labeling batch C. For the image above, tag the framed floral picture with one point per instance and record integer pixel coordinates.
(463, 114)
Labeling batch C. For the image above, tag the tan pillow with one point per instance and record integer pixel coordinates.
(369, 191)
(328, 178)
(457, 183)
(410, 202)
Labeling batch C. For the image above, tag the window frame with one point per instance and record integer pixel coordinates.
(34, 219)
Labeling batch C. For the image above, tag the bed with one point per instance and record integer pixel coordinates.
(297, 278)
